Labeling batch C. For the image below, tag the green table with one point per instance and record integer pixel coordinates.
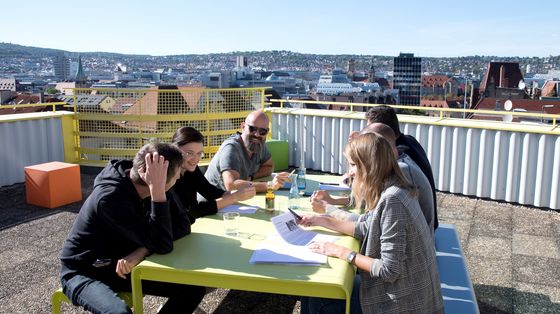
(207, 257)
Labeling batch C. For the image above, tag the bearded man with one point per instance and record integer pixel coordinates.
(244, 157)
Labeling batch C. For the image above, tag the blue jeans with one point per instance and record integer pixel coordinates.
(311, 305)
(99, 297)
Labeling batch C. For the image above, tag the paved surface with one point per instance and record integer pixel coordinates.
(513, 254)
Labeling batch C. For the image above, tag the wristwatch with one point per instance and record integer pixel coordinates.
(351, 257)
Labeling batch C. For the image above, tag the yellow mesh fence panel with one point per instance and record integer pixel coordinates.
(115, 123)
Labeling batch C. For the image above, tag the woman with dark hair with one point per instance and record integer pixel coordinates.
(397, 260)
(191, 142)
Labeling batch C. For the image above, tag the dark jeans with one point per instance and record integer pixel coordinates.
(99, 297)
(333, 306)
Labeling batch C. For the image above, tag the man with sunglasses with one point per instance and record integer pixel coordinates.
(244, 157)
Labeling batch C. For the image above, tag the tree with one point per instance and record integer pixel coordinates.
(52, 91)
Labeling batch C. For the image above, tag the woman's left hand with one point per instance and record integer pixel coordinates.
(327, 248)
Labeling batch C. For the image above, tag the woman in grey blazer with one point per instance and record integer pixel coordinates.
(397, 260)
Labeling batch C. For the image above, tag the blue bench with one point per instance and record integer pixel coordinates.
(456, 286)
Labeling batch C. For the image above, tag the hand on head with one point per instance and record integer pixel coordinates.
(155, 174)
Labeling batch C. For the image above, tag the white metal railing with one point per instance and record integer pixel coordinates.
(503, 161)
(489, 159)
(29, 139)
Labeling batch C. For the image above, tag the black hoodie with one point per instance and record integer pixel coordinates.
(112, 223)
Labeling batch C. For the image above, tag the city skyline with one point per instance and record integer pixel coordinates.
(427, 29)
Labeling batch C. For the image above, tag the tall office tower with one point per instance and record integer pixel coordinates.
(61, 67)
(241, 62)
(407, 71)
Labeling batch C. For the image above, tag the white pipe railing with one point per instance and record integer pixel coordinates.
(488, 159)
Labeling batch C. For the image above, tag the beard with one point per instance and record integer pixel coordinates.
(252, 143)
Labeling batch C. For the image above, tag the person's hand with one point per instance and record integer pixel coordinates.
(155, 175)
(321, 195)
(328, 248)
(353, 135)
(127, 263)
(244, 193)
(280, 179)
(319, 206)
(313, 220)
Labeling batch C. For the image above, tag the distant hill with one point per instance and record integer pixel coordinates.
(272, 59)
(14, 50)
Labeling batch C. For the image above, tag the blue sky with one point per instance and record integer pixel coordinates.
(425, 28)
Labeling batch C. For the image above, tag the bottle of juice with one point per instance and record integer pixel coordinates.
(269, 197)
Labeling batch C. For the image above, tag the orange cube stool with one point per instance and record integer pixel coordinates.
(53, 184)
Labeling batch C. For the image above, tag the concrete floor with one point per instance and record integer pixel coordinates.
(513, 255)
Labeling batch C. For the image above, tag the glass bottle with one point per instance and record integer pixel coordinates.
(293, 196)
(269, 197)
(301, 182)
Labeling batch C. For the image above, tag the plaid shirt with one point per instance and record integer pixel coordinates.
(404, 276)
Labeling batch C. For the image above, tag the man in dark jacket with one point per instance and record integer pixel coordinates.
(405, 144)
(115, 229)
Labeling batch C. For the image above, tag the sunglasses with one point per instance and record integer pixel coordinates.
(262, 131)
(190, 154)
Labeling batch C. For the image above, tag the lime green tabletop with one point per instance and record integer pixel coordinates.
(207, 257)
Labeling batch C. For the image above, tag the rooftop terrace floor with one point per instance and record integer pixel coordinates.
(513, 255)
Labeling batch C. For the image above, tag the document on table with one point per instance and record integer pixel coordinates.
(288, 245)
(334, 187)
(239, 208)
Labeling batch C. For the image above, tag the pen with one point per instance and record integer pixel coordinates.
(298, 217)
(328, 183)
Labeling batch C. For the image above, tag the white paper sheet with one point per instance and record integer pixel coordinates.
(274, 250)
(238, 208)
(288, 245)
(334, 187)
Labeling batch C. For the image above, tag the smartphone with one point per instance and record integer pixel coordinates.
(298, 217)
(306, 193)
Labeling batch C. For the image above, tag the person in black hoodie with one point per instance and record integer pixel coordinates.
(115, 230)
(192, 181)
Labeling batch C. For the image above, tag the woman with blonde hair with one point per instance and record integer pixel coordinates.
(397, 261)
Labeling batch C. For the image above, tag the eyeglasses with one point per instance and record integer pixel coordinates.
(262, 131)
(190, 154)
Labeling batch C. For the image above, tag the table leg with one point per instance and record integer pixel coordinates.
(136, 283)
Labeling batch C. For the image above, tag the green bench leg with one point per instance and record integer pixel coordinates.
(58, 297)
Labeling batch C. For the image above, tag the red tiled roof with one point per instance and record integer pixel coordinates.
(549, 89)
(531, 105)
(434, 80)
(434, 103)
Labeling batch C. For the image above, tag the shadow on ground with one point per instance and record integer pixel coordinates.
(15, 210)
(496, 299)
(238, 302)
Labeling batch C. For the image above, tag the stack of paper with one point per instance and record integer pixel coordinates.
(334, 187)
(288, 245)
(238, 208)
